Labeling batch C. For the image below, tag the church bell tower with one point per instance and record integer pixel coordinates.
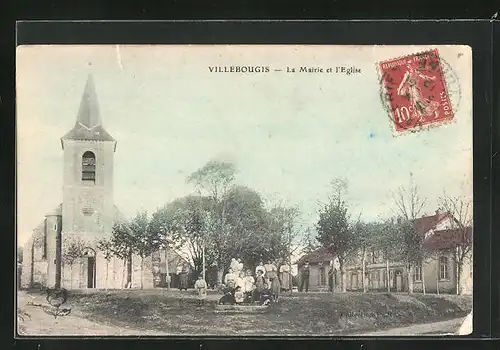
(88, 206)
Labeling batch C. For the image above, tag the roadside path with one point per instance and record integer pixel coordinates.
(448, 327)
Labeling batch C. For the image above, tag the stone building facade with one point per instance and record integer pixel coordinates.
(63, 250)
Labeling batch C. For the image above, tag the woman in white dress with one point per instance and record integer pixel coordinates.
(285, 278)
(239, 281)
(271, 272)
(234, 265)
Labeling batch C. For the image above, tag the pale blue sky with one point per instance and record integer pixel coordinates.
(289, 134)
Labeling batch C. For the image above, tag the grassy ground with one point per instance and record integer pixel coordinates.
(174, 312)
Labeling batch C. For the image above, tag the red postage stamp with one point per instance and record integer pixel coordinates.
(414, 90)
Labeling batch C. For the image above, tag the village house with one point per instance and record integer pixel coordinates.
(437, 273)
(169, 262)
(321, 267)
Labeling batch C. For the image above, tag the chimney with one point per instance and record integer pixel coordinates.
(437, 212)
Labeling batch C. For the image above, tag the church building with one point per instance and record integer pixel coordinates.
(63, 251)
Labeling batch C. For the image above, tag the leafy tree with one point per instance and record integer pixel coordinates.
(246, 229)
(409, 247)
(386, 236)
(334, 229)
(185, 222)
(460, 209)
(409, 206)
(143, 240)
(365, 235)
(308, 241)
(284, 227)
(105, 246)
(122, 244)
(216, 178)
(72, 250)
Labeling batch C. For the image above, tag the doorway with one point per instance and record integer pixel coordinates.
(89, 255)
(91, 272)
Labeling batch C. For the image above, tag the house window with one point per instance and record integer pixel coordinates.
(322, 278)
(443, 268)
(417, 273)
(88, 167)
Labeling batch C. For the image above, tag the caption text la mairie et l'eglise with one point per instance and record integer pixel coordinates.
(347, 70)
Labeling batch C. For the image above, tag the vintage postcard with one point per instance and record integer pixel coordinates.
(232, 190)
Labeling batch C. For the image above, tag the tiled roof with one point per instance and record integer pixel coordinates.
(450, 238)
(80, 132)
(322, 254)
(424, 224)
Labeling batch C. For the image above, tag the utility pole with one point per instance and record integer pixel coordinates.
(167, 278)
(203, 254)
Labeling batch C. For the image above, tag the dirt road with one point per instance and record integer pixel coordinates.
(40, 323)
(37, 321)
(428, 329)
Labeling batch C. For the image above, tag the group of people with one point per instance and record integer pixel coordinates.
(241, 287)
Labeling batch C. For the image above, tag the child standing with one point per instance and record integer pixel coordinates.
(249, 286)
(201, 287)
(259, 285)
(275, 288)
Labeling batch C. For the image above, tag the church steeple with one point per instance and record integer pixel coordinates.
(88, 124)
(88, 114)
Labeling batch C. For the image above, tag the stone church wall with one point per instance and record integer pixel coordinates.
(79, 200)
(27, 264)
(147, 273)
(34, 271)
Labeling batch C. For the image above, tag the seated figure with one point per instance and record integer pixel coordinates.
(266, 296)
(239, 296)
(228, 297)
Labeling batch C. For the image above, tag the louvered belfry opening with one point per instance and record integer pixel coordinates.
(88, 167)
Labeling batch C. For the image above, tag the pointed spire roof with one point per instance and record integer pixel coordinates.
(88, 114)
(88, 124)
